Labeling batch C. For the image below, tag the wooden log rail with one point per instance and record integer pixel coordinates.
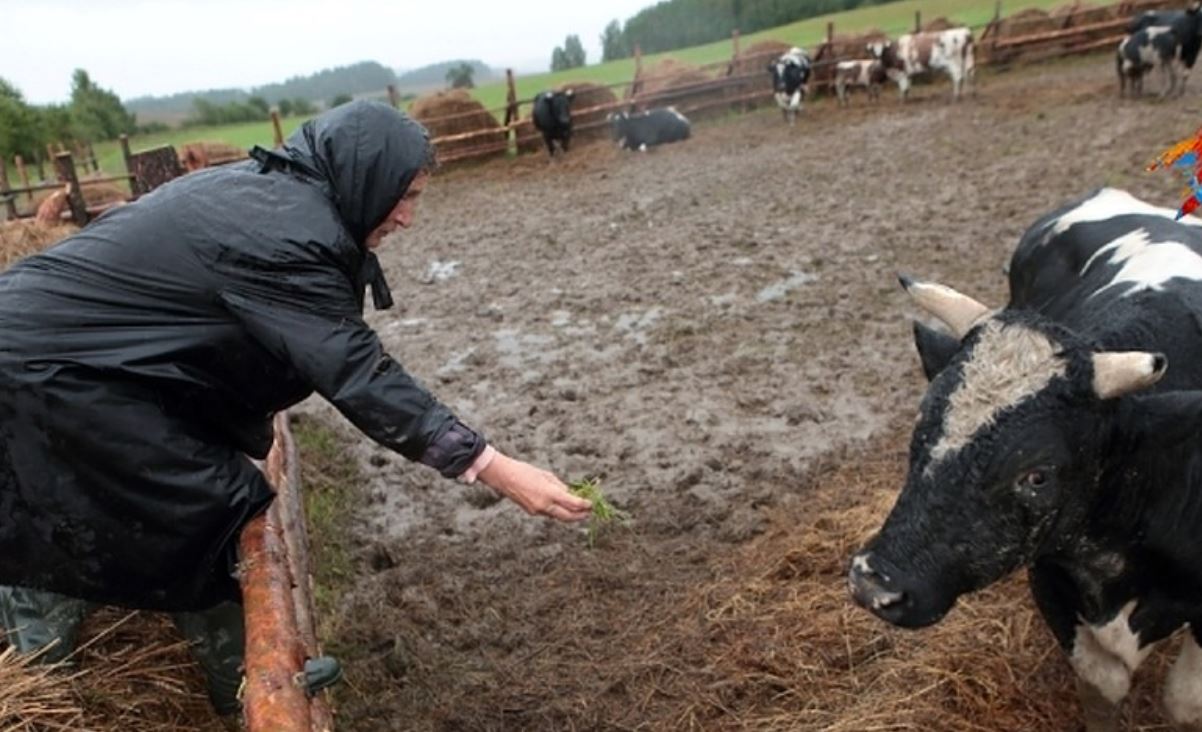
(276, 592)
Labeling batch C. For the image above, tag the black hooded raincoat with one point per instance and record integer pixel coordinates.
(141, 361)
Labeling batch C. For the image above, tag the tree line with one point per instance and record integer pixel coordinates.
(672, 24)
(93, 114)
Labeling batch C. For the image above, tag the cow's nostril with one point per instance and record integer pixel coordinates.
(882, 599)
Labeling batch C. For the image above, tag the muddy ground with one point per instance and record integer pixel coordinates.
(711, 328)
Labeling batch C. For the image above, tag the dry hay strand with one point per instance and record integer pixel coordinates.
(786, 649)
(140, 675)
(19, 239)
(454, 112)
(124, 677)
(585, 95)
(203, 153)
(36, 697)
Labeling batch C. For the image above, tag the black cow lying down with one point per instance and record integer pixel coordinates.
(1063, 433)
(642, 130)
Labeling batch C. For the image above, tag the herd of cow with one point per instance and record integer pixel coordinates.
(1167, 41)
(1059, 433)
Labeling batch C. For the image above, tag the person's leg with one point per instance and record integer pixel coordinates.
(217, 637)
(34, 620)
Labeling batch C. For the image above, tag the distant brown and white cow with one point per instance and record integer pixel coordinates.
(868, 73)
(948, 50)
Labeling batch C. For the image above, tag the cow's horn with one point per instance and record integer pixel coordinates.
(958, 311)
(1121, 372)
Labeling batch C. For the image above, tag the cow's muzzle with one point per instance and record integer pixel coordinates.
(873, 589)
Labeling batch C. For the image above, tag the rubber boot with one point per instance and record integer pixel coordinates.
(217, 638)
(321, 672)
(40, 621)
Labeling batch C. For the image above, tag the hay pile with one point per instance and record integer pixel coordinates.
(668, 75)
(454, 112)
(939, 24)
(590, 125)
(23, 237)
(782, 647)
(202, 154)
(755, 58)
(100, 194)
(1085, 13)
(1026, 22)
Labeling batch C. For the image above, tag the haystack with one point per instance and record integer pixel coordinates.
(1084, 13)
(590, 125)
(670, 83)
(939, 24)
(202, 154)
(454, 112)
(1026, 22)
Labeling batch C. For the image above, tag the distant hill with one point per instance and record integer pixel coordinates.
(364, 78)
(434, 76)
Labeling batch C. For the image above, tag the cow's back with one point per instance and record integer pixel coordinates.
(1103, 248)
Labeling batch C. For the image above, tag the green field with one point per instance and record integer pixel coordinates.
(893, 18)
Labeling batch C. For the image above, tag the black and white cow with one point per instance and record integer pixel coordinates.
(948, 50)
(552, 116)
(1063, 433)
(868, 73)
(1164, 40)
(790, 73)
(642, 130)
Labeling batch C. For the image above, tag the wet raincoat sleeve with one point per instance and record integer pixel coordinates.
(310, 319)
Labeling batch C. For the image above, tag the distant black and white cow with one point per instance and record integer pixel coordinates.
(552, 116)
(948, 50)
(1063, 433)
(790, 73)
(868, 73)
(642, 130)
(1164, 40)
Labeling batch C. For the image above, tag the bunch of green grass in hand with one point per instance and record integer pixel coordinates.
(604, 512)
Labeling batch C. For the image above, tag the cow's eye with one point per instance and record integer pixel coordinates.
(1033, 479)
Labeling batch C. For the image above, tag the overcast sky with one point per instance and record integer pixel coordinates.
(158, 47)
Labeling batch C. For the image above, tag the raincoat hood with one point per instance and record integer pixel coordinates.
(364, 154)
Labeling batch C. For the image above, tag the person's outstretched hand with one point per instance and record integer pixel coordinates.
(537, 491)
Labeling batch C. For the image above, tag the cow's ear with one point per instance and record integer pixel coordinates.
(935, 348)
(1162, 419)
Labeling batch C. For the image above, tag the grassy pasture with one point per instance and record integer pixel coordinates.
(893, 18)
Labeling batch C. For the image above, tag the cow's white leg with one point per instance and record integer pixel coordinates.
(1183, 689)
(1104, 658)
(956, 83)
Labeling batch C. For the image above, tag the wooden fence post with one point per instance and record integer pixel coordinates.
(636, 85)
(276, 130)
(24, 175)
(511, 99)
(40, 162)
(734, 40)
(917, 21)
(92, 157)
(393, 97)
(10, 203)
(65, 165)
(135, 187)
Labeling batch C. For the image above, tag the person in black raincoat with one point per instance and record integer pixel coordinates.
(142, 359)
